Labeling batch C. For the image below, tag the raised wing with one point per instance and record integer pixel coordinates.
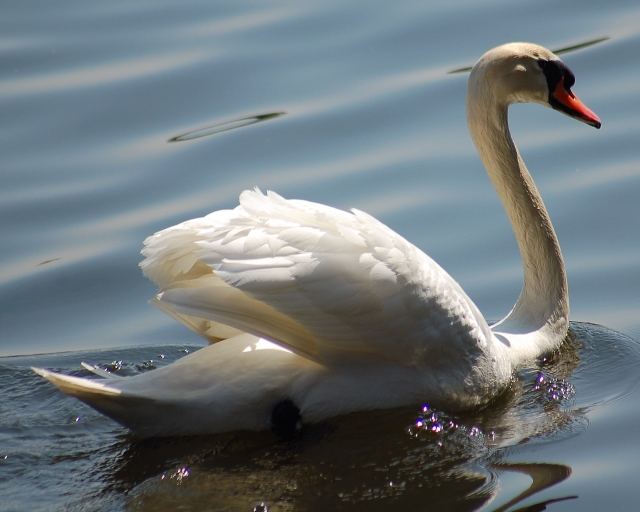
(328, 284)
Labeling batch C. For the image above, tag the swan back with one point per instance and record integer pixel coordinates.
(353, 286)
(333, 286)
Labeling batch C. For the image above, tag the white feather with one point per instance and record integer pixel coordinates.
(346, 281)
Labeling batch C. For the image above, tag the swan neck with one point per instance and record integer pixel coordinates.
(543, 305)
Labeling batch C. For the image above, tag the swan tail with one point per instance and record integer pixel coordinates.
(77, 386)
(125, 408)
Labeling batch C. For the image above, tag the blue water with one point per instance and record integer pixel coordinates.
(91, 95)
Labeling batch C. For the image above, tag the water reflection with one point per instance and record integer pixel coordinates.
(543, 476)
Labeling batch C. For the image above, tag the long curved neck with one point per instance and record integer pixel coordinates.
(542, 309)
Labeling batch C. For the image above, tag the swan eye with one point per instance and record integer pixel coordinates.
(554, 72)
(569, 78)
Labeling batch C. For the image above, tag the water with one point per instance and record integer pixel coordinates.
(91, 96)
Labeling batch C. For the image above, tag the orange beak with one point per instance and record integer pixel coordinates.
(571, 104)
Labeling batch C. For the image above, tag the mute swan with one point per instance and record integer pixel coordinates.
(315, 312)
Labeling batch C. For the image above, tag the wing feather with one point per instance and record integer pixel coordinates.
(327, 283)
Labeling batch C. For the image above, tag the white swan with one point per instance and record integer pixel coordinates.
(317, 312)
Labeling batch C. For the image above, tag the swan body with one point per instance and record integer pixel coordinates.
(333, 312)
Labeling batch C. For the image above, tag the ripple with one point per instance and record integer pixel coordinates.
(239, 23)
(72, 254)
(101, 74)
(225, 126)
(376, 88)
(590, 178)
(36, 193)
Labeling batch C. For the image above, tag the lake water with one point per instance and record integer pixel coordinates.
(91, 95)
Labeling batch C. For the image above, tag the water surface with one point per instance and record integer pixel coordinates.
(93, 98)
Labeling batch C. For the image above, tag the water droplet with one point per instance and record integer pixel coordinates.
(180, 474)
(114, 366)
(436, 427)
(553, 389)
(146, 366)
(439, 424)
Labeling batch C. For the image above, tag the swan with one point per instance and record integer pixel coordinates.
(314, 312)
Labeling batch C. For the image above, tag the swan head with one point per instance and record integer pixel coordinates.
(527, 73)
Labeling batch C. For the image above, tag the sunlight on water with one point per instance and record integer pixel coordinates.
(592, 178)
(238, 23)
